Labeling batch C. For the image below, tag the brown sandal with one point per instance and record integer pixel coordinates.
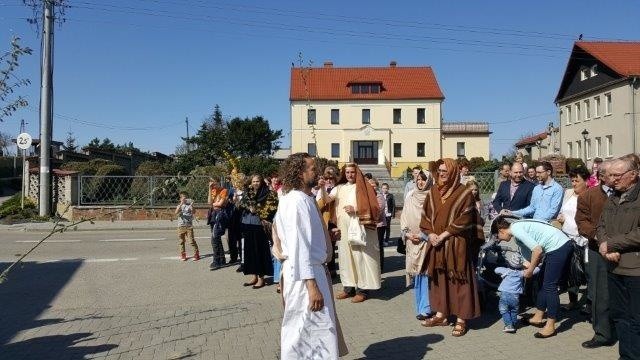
(459, 329)
(435, 320)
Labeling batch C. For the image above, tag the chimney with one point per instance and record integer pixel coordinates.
(393, 63)
(328, 64)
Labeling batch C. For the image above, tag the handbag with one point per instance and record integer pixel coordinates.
(356, 233)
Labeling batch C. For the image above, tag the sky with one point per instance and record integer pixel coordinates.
(134, 70)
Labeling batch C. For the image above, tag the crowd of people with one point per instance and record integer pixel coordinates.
(287, 228)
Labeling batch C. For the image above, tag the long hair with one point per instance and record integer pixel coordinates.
(290, 171)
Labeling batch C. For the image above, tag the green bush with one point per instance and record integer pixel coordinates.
(573, 163)
(259, 165)
(12, 207)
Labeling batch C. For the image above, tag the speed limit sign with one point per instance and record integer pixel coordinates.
(24, 141)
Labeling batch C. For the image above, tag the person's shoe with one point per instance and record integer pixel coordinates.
(240, 269)
(421, 317)
(214, 266)
(509, 329)
(569, 306)
(183, 256)
(359, 298)
(594, 344)
(343, 295)
(196, 256)
(539, 335)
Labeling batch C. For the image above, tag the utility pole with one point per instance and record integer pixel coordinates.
(186, 120)
(46, 107)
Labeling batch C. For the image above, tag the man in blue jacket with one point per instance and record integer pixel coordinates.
(514, 194)
(546, 198)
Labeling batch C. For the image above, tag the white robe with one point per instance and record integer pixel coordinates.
(305, 334)
(359, 265)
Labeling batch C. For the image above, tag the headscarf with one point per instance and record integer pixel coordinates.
(366, 198)
(447, 188)
(410, 222)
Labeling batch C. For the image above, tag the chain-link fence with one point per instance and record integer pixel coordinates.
(487, 181)
(141, 190)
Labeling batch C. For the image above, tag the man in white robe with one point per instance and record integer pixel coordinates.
(310, 329)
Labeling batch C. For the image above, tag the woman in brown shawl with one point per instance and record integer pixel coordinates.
(451, 226)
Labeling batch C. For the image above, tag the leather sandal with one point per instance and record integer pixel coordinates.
(459, 329)
(435, 321)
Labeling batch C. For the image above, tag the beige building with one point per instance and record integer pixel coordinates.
(465, 139)
(386, 116)
(598, 100)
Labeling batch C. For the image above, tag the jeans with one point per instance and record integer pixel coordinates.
(216, 244)
(421, 292)
(509, 307)
(555, 265)
(277, 269)
(624, 292)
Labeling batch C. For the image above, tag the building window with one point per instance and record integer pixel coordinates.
(576, 107)
(568, 114)
(335, 150)
(335, 116)
(596, 106)
(366, 88)
(608, 106)
(421, 115)
(594, 70)
(587, 109)
(587, 148)
(584, 74)
(311, 149)
(569, 149)
(397, 150)
(609, 146)
(420, 152)
(366, 116)
(311, 116)
(397, 116)
(598, 146)
(578, 154)
(460, 149)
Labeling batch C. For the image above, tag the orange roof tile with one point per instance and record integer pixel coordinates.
(398, 83)
(532, 139)
(622, 57)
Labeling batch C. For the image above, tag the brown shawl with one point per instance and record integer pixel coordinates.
(458, 215)
(366, 198)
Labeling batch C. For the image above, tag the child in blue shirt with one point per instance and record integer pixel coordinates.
(510, 288)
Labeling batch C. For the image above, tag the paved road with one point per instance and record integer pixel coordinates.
(124, 295)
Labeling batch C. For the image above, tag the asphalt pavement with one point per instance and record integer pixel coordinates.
(117, 293)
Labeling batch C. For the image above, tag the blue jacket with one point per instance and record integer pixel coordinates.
(546, 201)
(521, 199)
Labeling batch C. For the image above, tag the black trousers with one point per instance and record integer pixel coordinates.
(603, 327)
(387, 229)
(234, 237)
(624, 295)
(381, 231)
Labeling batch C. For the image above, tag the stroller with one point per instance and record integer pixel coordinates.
(493, 254)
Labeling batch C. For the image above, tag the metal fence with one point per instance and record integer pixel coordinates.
(141, 190)
(487, 181)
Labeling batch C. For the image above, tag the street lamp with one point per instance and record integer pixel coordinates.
(585, 136)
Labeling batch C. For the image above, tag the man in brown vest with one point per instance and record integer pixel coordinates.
(590, 205)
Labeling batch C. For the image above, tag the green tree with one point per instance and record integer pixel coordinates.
(94, 143)
(252, 137)
(70, 142)
(9, 82)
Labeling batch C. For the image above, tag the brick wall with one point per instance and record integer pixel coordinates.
(149, 213)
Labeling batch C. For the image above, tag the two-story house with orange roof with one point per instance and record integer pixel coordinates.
(386, 116)
(598, 100)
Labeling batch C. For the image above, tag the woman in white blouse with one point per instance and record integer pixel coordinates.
(566, 217)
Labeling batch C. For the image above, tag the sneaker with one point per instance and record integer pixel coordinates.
(509, 329)
(183, 256)
(196, 256)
